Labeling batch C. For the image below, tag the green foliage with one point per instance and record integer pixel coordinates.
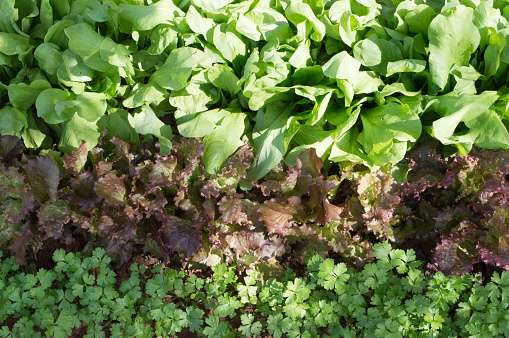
(358, 81)
(390, 297)
(306, 83)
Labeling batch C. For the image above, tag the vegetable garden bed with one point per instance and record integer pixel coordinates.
(239, 139)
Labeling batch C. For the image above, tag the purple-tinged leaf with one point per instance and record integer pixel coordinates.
(52, 216)
(352, 214)
(15, 209)
(162, 173)
(324, 212)
(284, 182)
(479, 175)
(250, 208)
(189, 169)
(117, 226)
(43, 176)
(244, 241)
(120, 252)
(331, 212)
(379, 197)
(112, 188)
(231, 210)
(227, 180)
(460, 174)
(17, 200)
(183, 202)
(310, 162)
(105, 224)
(268, 187)
(274, 247)
(103, 168)
(82, 191)
(417, 224)
(150, 202)
(122, 157)
(493, 246)
(277, 214)
(290, 181)
(306, 239)
(457, 254)
(19, 245)
(209, 209)
(77, 160)
(11, 148)
(219, 185)
(127, 224)
(7, 230)
(427, 168)
(134, 214)
(450, 217)
(84, 221)
(180, 235)
(375, 224)
(189, 153)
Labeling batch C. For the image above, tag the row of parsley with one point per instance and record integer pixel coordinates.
(390, 297)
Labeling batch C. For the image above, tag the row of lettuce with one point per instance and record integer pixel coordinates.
(390, 297)
(357, 80)
(128, 199)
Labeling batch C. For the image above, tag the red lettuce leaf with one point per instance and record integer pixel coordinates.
(304, 239)
(256, 242)
(19, 245)
(456, 254)
(231, 210)
(493, 246)
(283, 181)
(43, 176)
(112, 188)
(278, 213)
(150, 202)
(122, 158)
(159, 173)
(16, 200)
(52, 216)
(378, 194)
(75, 162)
(80, 190)
(117, 226)
(310, 162)
(227, 180)
(11, 148)
(179, 234)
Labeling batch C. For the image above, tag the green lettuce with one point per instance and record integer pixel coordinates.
(358, 81)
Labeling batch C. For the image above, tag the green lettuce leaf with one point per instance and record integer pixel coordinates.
(386, 130)
(12, 121)
(76, 130)
(456, 109)
(179, 66)
(453, 38)
(301, 15)
(273, 132)
(144, 18)
(146, 122)
(223, 141)
(22, 96)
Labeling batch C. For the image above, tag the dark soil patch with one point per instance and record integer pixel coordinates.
(42, 255)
